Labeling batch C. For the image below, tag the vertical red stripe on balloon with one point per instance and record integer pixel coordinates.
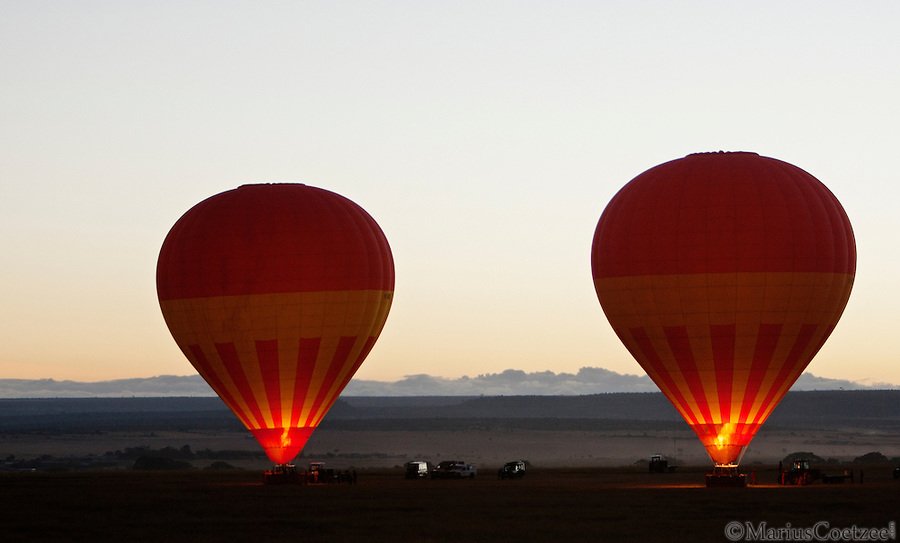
(229, 357)
(345, 345)
(794, 358)
(360, 358)
(267, 353)
(306, 363)
(766, 340)
(650, 355)
(822, 339)
(219, 386)
(680, 345)
(370, 342)
(723, 340)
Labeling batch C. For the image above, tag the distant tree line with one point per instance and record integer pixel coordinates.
(183, 453)
(874, 457)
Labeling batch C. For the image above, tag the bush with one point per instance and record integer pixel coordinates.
(813, 458)
(154, 463)
(220, 465)
(871, 458)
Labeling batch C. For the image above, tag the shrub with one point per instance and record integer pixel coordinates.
(154, 463)
(813, 458)
(871, 458)
(220, 465)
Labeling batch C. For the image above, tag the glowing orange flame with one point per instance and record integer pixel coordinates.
(724, 436)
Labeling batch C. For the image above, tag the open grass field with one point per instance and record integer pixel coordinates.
(584, 482)
(544, 448)
(577, 504)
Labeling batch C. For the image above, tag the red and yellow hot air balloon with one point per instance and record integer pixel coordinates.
(723, 274)
(276, 293)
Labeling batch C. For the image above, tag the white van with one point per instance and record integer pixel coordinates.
(416, 469)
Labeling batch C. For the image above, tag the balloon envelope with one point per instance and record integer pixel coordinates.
(276, 293)
(723, 274)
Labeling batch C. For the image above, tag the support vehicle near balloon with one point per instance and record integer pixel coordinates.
(454, 469)
(512, 470)
(416, 469)
(801, 472)
(660, 464)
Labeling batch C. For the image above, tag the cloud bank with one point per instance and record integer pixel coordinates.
(506, 383)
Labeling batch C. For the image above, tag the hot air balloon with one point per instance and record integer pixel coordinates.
(276, 293)
(723, 274)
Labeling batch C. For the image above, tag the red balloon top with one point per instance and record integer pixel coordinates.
(723, 212)
(273, 238)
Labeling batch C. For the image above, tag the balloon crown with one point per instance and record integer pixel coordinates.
(720, 152)
(277, 183)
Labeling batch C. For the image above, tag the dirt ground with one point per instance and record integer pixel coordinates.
(583, 504)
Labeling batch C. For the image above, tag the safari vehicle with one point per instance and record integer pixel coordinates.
(659, 464)
(800, 473)
(416, 469)
(454, 469)
(512, 470)
(317, 473)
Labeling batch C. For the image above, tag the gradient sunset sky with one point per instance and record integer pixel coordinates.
(484, 137)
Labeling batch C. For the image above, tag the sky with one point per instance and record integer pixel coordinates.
(485, 138)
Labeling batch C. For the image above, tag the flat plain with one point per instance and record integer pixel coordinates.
(587, 504)
(66, 472)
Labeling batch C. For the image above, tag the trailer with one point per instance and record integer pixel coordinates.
(801, 473)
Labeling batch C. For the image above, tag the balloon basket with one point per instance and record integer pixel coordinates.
(282, 474)
(726, 476)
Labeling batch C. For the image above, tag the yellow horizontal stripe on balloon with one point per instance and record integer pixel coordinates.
(287, 317)
(749, 298)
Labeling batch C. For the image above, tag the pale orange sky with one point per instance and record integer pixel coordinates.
(484, 137)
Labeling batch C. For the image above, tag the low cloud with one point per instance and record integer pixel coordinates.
(506, 383)
(159, 386)
(546, 383)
